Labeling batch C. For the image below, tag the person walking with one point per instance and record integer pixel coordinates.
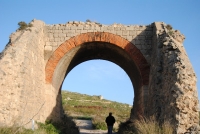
(110, 120)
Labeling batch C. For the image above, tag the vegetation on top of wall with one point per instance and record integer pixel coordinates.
(169, 27)
(88, 20)
(23, 25)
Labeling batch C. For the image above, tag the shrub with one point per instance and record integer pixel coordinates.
(145, 126)
(126, 128)
(23, 25)
(88, 20)
(98, 122)
(169, 27)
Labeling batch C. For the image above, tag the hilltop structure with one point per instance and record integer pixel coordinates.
(37, 59)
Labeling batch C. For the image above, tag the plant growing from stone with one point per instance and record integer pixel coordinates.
(23, 25)
(170, 29)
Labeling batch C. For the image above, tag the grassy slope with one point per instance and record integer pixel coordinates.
(85, 106)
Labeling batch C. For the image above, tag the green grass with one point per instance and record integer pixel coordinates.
(67, 126)
(99, 123)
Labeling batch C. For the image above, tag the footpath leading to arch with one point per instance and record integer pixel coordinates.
(85, 127)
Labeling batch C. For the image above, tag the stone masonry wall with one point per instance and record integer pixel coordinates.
(172, 81)
(22, 77)
(139, 35)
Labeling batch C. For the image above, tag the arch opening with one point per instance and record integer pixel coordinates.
(100, 78)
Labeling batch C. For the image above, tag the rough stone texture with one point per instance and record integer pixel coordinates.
(172, 82)
(22, 79)
(36, 61)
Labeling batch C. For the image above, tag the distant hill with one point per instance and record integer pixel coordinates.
(82, 106)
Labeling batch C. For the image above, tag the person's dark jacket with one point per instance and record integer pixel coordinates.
(110, 120)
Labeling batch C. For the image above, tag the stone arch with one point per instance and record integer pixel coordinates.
(135, 53)
(135, 64)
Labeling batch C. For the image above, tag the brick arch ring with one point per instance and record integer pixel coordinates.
(131, 49)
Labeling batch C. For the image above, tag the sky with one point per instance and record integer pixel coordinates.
(99, 77)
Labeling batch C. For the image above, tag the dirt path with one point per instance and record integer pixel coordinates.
(85, 127)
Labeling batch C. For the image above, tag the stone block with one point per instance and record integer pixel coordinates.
(55, 35)
(86, 27)
(66, 38)
(137, 42)
(90, 30)
(73, 27)
(133, 41)
(71, 31)
(61, 27)
(83, 31)
(139, 46)
(104, 28)
(97, 28)
(142, 27)
(65, 31)
(67, 28)
(136, 27)
(50, 35)
(59, 43)
(125, 32)
(149, 28)
(47, 50)
(48, 43)
(117, 28)
(130, 28)
(123, 28)
(141, 37)
(61, 35)
(132, 33)
(51, 40)
(56, 31)
(110, 28)
(139, 32)
(70, 34)
(113, 32)
(62, 39)
(124, 36)
(119, 32)
(79, 28)
(57, 39)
